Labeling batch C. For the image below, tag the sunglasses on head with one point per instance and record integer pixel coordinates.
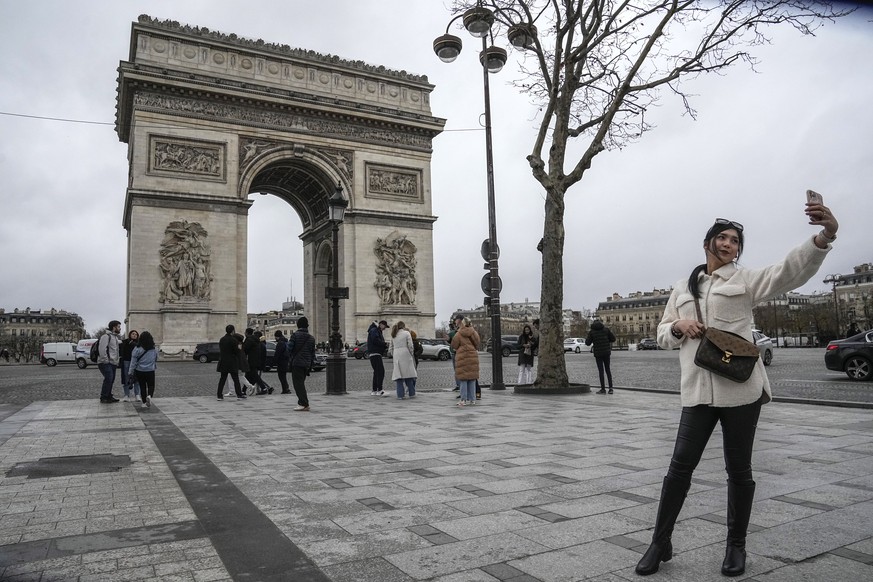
(736, 225)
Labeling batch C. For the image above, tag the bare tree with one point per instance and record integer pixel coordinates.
(595, 67)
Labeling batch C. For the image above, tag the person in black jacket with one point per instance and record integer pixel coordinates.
(228, 362)
(252, 351)
(262, 362)
(376, 348)
(302, 354)
(527, 345)
(602, 338)
(281, 357)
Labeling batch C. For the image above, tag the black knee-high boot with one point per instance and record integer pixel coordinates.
(673, 495)
(740, 498)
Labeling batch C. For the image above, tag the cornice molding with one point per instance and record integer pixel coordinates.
(277, 49)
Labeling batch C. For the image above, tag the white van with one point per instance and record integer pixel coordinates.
(54, 353)
(83, 352)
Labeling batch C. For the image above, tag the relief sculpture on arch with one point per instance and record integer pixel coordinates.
(185, 265)
(395, 270)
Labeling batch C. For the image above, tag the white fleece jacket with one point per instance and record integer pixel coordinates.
(727, 297)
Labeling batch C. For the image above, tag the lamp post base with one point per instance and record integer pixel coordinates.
(336, 374)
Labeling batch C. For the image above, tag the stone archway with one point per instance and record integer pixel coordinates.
(211, 118)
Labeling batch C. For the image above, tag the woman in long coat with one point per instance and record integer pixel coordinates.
(527, 344)
(466, 346)
(404, 362)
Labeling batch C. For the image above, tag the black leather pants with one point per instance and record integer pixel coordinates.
(738, 425)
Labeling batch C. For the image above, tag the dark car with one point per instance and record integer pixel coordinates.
(358, 351)
(509, 345)
(320, 359)
(648, 343)
(207, 352)
(853, 355)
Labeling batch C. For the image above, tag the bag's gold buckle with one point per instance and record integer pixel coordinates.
(727, 357)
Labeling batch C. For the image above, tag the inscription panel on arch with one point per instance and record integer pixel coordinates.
(394, 183)
(187, 159)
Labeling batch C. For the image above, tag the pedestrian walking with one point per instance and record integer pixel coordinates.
(466, 346)
(251, 353)
(376, 348)
(228, 362)
(404, 373)
(130, 386)
(142, 366)
(108, 360)
(262, 363)
(282, 357)
(527, 344)
(723, 294)
(301, 346)
(248, 386)
(602, 338)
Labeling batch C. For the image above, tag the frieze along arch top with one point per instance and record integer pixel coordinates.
(210, 119)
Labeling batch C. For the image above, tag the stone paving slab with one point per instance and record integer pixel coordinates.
(517, 488)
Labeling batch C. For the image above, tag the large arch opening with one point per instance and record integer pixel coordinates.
(305, 188)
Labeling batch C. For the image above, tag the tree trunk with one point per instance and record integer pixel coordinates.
(552, 368)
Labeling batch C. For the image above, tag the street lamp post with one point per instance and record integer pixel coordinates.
(478, 21)
(833, 280)
(336, 360)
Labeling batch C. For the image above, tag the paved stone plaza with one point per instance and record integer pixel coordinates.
(517, 488)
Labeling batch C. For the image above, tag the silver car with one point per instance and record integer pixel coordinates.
(435, 349)
(765, 346)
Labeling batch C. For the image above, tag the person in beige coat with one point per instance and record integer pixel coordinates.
(466, 346)
(726, 295)
(402, 350)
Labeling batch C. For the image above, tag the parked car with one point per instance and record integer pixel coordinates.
(53, 353)
(435, 349)
(853, 355)
(647, 343)
(765, 346)
(206, 352)
(83, 352)
(575, 344)
(358, 351)
(509, 345)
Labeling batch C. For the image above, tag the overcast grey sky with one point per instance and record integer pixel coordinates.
(635, 222)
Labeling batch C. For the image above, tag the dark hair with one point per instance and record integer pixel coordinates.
(132, 331)
(229, 329)
(249, 331)
(113, 323)
(146, 341)
(526, 332)
(713, 231)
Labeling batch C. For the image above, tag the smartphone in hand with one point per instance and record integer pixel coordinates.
(813, 197)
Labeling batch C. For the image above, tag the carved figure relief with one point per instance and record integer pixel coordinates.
(250, 148)
(395, 270)
(194, 159)
(393, 183)
(341, 159)
(185, 263)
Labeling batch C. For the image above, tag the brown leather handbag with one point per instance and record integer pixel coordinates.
(724, 353)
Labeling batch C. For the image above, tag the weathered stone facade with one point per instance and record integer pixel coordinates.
(210, 119)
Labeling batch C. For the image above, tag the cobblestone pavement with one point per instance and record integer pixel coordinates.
(362, 488)
(795, 373)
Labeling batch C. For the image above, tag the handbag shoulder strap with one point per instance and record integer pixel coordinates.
(697, 307)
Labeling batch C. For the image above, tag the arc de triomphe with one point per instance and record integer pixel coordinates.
(211, 118)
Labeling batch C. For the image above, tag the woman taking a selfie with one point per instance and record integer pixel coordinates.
(726, 295)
